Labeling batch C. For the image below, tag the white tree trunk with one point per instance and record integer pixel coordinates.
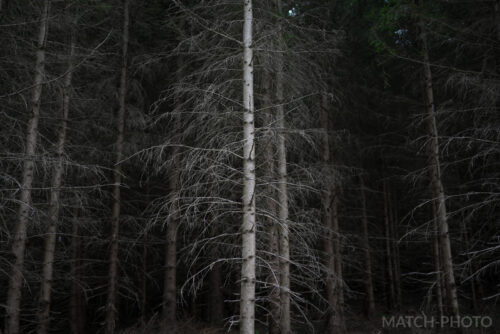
(248, 228)
(19, 243)
(111, 310)
(57, 176)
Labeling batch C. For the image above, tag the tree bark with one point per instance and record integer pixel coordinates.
(248, 228)
(437, 188)
(437, 262)
(111, 307)
(327, 221)
(170, 284)
(144, 281)
(284, 247)
(395, 252)
(19, 241)
(388, 253)
(370, 297)
(339, 286)
(272, 228)
(57, 176)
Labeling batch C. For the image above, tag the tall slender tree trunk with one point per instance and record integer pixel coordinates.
(77, 313)
(111, 305)
(19, 241)
(436, 182)
(170, 284)
(437, 262)
(370, 297)
(57, 176)
(272, 228)
(466, 250)
(395, 252)
(144, 281)
(339, 277)
(248, 227)
(388, 252)
(327, 221)
(284, 247)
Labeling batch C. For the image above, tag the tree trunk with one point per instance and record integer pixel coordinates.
(339, 318)
(144, 281)
(19, 240)
(284, 247)
(395, 252)
(77, 313)
(465, 250)
(436, 183)
(437, 262)
(389, 270)
(370, 297)
(57, 176)
(170, 284)
(272, 228)
(248, 228)
(111, 307)
(327, 221)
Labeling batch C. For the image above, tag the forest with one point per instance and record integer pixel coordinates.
(250, 166)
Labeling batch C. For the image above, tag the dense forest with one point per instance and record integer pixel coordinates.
(250, 166)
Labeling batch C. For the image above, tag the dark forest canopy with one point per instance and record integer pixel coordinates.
(251, 166)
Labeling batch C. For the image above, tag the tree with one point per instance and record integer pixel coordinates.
(436, 183)
(248, 227)
(54, 206)
(365, 241)
(19, 240)
(111, 305)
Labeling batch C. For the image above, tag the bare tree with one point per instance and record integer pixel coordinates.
(170, 287)
(437, 188)
(330, 268)
(57, 177)
(19, 243)
(248, 227)
(284, 247)
(111, 307)
(370, 297)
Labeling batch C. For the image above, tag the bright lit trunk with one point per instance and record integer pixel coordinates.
(248, 228)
